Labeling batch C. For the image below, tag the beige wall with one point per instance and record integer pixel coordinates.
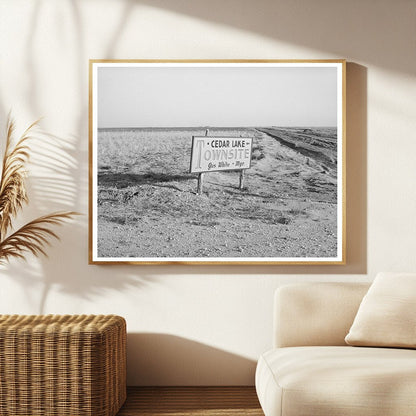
(205, 325)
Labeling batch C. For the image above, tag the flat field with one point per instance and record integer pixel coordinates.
(148, 206)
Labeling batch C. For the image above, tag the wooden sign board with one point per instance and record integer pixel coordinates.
(210, 154)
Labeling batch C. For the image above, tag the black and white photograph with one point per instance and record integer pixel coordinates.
(217, 162)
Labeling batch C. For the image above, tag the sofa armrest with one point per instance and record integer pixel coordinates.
(309, 314)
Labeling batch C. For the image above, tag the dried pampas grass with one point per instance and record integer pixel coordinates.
(34, 236)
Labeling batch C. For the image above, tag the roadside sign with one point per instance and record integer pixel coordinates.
(210, 154)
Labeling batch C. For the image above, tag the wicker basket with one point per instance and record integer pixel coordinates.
(54, 365)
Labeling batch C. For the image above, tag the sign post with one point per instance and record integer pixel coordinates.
(200, 183)
(212, 154)
(241, 187)
(201, 174)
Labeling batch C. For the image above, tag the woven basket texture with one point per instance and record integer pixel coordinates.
(56, 365)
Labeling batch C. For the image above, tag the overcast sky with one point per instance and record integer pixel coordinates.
(216, 96)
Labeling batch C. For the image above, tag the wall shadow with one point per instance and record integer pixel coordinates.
(59, 181)
(169, 360)
(53, 187)
(335, 27)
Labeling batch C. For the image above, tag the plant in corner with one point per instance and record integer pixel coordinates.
(34, 236)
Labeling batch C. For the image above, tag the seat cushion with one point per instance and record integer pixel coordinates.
(341, 381)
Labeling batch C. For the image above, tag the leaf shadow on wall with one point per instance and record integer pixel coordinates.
(60, 181)
(54, 187)
(336, 27)
(164, 359)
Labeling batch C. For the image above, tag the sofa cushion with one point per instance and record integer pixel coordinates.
(342, 381)
(315, 314)
(387, 314)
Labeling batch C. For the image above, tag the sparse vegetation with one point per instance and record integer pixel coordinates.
(148, 207)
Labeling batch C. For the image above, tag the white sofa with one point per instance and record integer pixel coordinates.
(311, 371)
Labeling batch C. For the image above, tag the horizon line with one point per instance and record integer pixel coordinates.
(215, 127)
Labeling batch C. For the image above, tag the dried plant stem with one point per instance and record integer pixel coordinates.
(34, 236)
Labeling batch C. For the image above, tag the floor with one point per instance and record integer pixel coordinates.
(195, 401)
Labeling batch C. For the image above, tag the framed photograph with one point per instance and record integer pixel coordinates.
(217, 162)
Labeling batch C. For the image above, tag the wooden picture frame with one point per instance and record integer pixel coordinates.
(269, 184)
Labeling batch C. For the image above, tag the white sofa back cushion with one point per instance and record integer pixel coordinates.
(387, 314)
(309, 314)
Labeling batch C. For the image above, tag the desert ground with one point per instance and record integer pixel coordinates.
(148, 206)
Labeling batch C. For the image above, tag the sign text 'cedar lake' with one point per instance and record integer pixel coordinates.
(220, 153)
